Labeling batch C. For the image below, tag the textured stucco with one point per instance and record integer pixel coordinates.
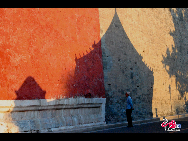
(153, 37)
(54, 50)
(57, 53)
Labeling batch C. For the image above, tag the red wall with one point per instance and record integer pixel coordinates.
(50, 53)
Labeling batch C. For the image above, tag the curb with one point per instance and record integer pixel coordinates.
(89, 128)
(105, 126)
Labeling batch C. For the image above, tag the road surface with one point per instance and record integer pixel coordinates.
(151, 127)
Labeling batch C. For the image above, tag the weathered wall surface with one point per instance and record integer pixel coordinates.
(50, 53)
(46, 114)
(144, 52)
(56, 53)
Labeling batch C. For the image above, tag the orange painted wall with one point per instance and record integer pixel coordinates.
(50, 53)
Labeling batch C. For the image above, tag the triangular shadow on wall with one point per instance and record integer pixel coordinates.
(124, 71)
(29, 90)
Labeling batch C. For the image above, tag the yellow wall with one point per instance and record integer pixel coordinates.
(149, 31)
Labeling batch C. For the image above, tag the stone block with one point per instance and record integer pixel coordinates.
(25, 103)
(37, 124)
(46, 123)
(52, 102)
(18, 116)
(12, 127)
(5, 117)
(80, 100)
(74, 120)
(88, 100)
(87, 119)
(34, 125)
(58, 122)
(72, 112)
(63, 121)
(54, 123)
(7, 103)
(80, 120)
(3, 127)
(72, 101)
(24, 125)
(43, 102)
(54, 113)
(44, 116)
(68, 120)
(66, 101)
(61, 101)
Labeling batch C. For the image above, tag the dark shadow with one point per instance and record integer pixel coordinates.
(30, 90)
(124, 71)
(119, 60)
(88, 76)
(176, 61)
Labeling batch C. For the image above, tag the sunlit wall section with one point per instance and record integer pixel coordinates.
(160, 37)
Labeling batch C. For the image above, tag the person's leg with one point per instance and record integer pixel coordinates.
(130, 118)
(128, 113)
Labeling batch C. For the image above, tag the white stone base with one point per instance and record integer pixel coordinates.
(48, 114)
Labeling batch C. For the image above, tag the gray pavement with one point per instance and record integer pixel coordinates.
(149, 127)
(152, 125)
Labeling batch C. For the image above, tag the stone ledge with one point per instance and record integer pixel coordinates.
(48, 114)
(45, 102)
(48, 107)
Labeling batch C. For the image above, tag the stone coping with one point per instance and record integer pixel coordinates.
(42, 115)
(42, 104)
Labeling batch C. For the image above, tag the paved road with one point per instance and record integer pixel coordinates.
(154, 127)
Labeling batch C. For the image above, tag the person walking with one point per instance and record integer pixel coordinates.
(129, 109)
